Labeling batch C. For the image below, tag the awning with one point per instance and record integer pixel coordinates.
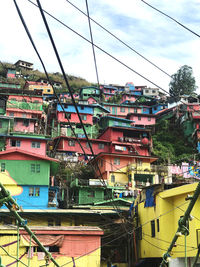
(46, 240)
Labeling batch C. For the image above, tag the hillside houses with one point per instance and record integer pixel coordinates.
(47, 163)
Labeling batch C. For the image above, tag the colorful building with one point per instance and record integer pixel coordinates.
(29, 174)
(157, 206)
(90, 91)
(142, 119)
(46, 88)
(72, 245)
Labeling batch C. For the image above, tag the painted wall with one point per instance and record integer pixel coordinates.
(46, 88)
(166, 211)
(20, 127)
(21, 170)
(64, 146)
(83, 109)
(33, 202)
(26, 145)
(86, 118)
(84, 253)
(121, 167)
(142, 120)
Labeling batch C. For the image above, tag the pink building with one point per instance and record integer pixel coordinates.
(92, 100)
(128, 97)
(26, 110)
(36, 145)
(73, 117)
(142, 119)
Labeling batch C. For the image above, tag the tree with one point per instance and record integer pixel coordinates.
(182, 82)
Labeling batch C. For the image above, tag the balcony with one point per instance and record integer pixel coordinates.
(24, 105)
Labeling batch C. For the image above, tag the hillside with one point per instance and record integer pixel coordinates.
(75, 82)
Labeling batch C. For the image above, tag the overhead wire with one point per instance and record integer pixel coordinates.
(120, 40)
(71, 94)
(161, 12)
(105, 52)
(91, 38)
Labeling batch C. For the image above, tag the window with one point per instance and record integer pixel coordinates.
(11, 114)
(84, 117)
(101, 146)
(23, 115)
(139, 118)
(35, 168)
(26, 123)
(153, 91)
(158, 225)
(15, 143)
(135, 110)
(31, 191)
(3, 167)
(48, 90)
(112, 178)
(149, 119)
(139, 162)
(50, 222)
(35, 144)
(146, 91)
(122, 109)
(71, 142)
(0, 124)
(100, 162)
(153, 233)
(116, 161)
(13, 99)
(37, 191)
(57, 222)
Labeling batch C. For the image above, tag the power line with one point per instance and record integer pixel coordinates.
(69, 89)
(91, 37)
(66, 80)
(117, 38)
(108, 54)
(171, 18)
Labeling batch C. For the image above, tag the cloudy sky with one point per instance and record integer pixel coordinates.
(148, 32)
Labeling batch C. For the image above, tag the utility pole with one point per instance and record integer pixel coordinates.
(11, 204)
(183, 225)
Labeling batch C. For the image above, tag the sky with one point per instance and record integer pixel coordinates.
(159, 39)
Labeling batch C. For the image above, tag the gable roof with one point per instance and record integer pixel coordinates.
(29, 154)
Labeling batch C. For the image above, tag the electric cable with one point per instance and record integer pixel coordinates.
(170, 18)
(91, 38)
(167, 241)
(69, 88)
(17, 260)
(120, 40)
(108, 54)
(166, 249)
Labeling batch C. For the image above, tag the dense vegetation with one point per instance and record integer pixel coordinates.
(182, 82)
(75, 82)
(169, 144)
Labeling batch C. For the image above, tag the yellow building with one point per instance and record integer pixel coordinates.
(44, 87)
(158, 212)
(73, 246)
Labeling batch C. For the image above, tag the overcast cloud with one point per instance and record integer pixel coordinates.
(156, 37)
